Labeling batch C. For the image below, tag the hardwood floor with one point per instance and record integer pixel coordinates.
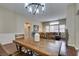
(71, 51)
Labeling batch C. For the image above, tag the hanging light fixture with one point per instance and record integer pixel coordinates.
(35, 8)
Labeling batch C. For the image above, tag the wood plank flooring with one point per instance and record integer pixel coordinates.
(71, 51)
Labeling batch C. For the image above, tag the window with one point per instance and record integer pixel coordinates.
(46, 28)
(54, 23)
(62, 28)
(55, 27)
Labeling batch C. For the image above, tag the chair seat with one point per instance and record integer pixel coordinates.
(10, 48)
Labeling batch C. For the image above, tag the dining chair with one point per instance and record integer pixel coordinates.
(27, 51)
(3, 51)
(19, 36)
(8, 52)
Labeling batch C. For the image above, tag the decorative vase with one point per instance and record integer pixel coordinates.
(37, 37)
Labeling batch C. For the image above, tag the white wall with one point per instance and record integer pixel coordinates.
(77, 27)
(6, 37)
(10, 23)
(70, 22)
(73, 25)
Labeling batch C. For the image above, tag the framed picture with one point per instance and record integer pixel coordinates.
(36, 28)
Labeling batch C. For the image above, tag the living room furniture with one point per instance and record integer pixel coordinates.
(48, 35)
(42, 35)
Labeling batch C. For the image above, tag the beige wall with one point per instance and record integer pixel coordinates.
(10, 24)
(7, 21)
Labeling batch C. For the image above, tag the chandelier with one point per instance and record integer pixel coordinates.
(35, 8)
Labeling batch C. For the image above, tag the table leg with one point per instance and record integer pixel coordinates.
(29, 53)
(20, 48)
(17, 47)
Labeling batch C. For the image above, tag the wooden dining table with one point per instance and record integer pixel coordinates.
(44, 47)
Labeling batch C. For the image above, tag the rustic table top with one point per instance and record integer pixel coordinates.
(43, 47)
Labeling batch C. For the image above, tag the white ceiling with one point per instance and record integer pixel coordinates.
(53, 10)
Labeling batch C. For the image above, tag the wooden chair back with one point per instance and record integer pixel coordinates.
(19, 36)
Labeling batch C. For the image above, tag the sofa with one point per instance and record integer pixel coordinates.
(48, 35)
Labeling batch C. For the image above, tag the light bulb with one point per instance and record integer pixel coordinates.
(30, 9)
(43, 8)
(26, 4)
(37, 11)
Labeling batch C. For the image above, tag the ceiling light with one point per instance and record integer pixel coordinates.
(35, 8)
(26, 4)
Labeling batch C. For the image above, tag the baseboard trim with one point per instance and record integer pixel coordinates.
(73, 46)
